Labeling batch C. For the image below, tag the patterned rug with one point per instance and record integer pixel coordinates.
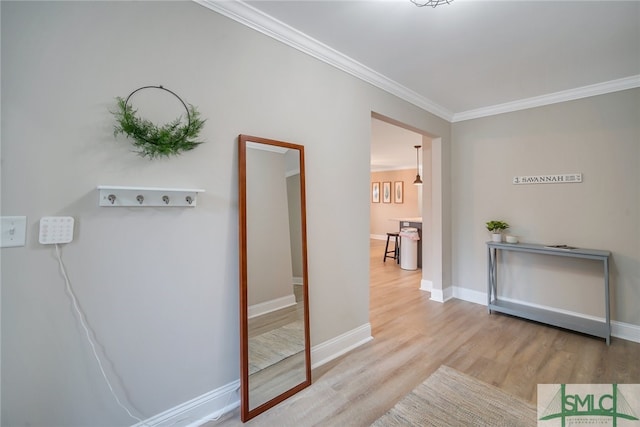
(276, 345)
(449, 398)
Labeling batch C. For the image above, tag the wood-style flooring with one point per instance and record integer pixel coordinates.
(413, 336)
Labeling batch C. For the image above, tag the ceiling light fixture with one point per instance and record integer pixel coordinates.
(432, 3)
(418, 181)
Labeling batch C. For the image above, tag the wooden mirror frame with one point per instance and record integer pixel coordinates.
(246, 412)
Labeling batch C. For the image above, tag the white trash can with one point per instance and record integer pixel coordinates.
(409, 248)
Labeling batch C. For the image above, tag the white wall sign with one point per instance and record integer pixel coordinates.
(548, 179)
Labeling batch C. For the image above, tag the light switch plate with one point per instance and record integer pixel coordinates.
(56, 229)
(14, 231)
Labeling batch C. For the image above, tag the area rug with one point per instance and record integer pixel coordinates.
(449, 398)
(271, 347)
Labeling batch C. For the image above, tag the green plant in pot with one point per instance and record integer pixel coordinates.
(496, 228)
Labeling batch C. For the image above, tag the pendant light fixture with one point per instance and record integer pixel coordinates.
(418, 181)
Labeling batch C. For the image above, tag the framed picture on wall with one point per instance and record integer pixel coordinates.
(398, 191)
(386, 192)
(375, 192)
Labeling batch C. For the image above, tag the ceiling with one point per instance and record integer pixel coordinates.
(467, 59)
(392, 147)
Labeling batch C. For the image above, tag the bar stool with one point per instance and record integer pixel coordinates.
(395, 251)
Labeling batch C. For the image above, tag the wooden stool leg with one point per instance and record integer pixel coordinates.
(386, 249)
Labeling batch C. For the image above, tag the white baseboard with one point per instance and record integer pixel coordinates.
(426, 285)
(218, 402)
(448, 293)
(438, 295)
(625, 331)
(212, 405)
(199, 410)
(272, 305)
(336, 347)
(470, 295)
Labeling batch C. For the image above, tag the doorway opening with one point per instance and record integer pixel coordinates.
(394, 165)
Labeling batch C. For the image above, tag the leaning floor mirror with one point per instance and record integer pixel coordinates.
(274, 311)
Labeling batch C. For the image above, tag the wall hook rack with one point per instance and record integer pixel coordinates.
(117, 196)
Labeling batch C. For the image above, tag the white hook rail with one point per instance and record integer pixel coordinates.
(117, 196)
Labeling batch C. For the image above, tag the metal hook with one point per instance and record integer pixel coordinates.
(112, 198)
(140, 198)
(189, 199)
(165, 199)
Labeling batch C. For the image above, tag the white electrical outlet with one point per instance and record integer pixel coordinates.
(14, 231)
(56, 229)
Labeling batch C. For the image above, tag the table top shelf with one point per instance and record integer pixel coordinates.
(545, 249)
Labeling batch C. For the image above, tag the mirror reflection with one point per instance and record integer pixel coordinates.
(274, 317)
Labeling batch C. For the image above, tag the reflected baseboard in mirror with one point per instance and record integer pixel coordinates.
(274, 310)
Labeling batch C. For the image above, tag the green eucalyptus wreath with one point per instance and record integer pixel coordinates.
(158, 141)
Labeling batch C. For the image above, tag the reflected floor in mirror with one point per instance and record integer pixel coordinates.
(273, 346)
(276, 378)
(413, 336)
(276, 357)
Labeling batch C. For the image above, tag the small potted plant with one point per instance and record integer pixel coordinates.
(496, 228)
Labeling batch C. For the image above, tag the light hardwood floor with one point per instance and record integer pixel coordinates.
(413, 336)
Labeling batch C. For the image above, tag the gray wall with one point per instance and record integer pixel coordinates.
(598, 137)
(160, 286)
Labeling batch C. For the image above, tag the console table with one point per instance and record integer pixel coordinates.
(579, 324)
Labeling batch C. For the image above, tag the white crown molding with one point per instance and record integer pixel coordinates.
(259, 21)
(278, 30)
(625, 83)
